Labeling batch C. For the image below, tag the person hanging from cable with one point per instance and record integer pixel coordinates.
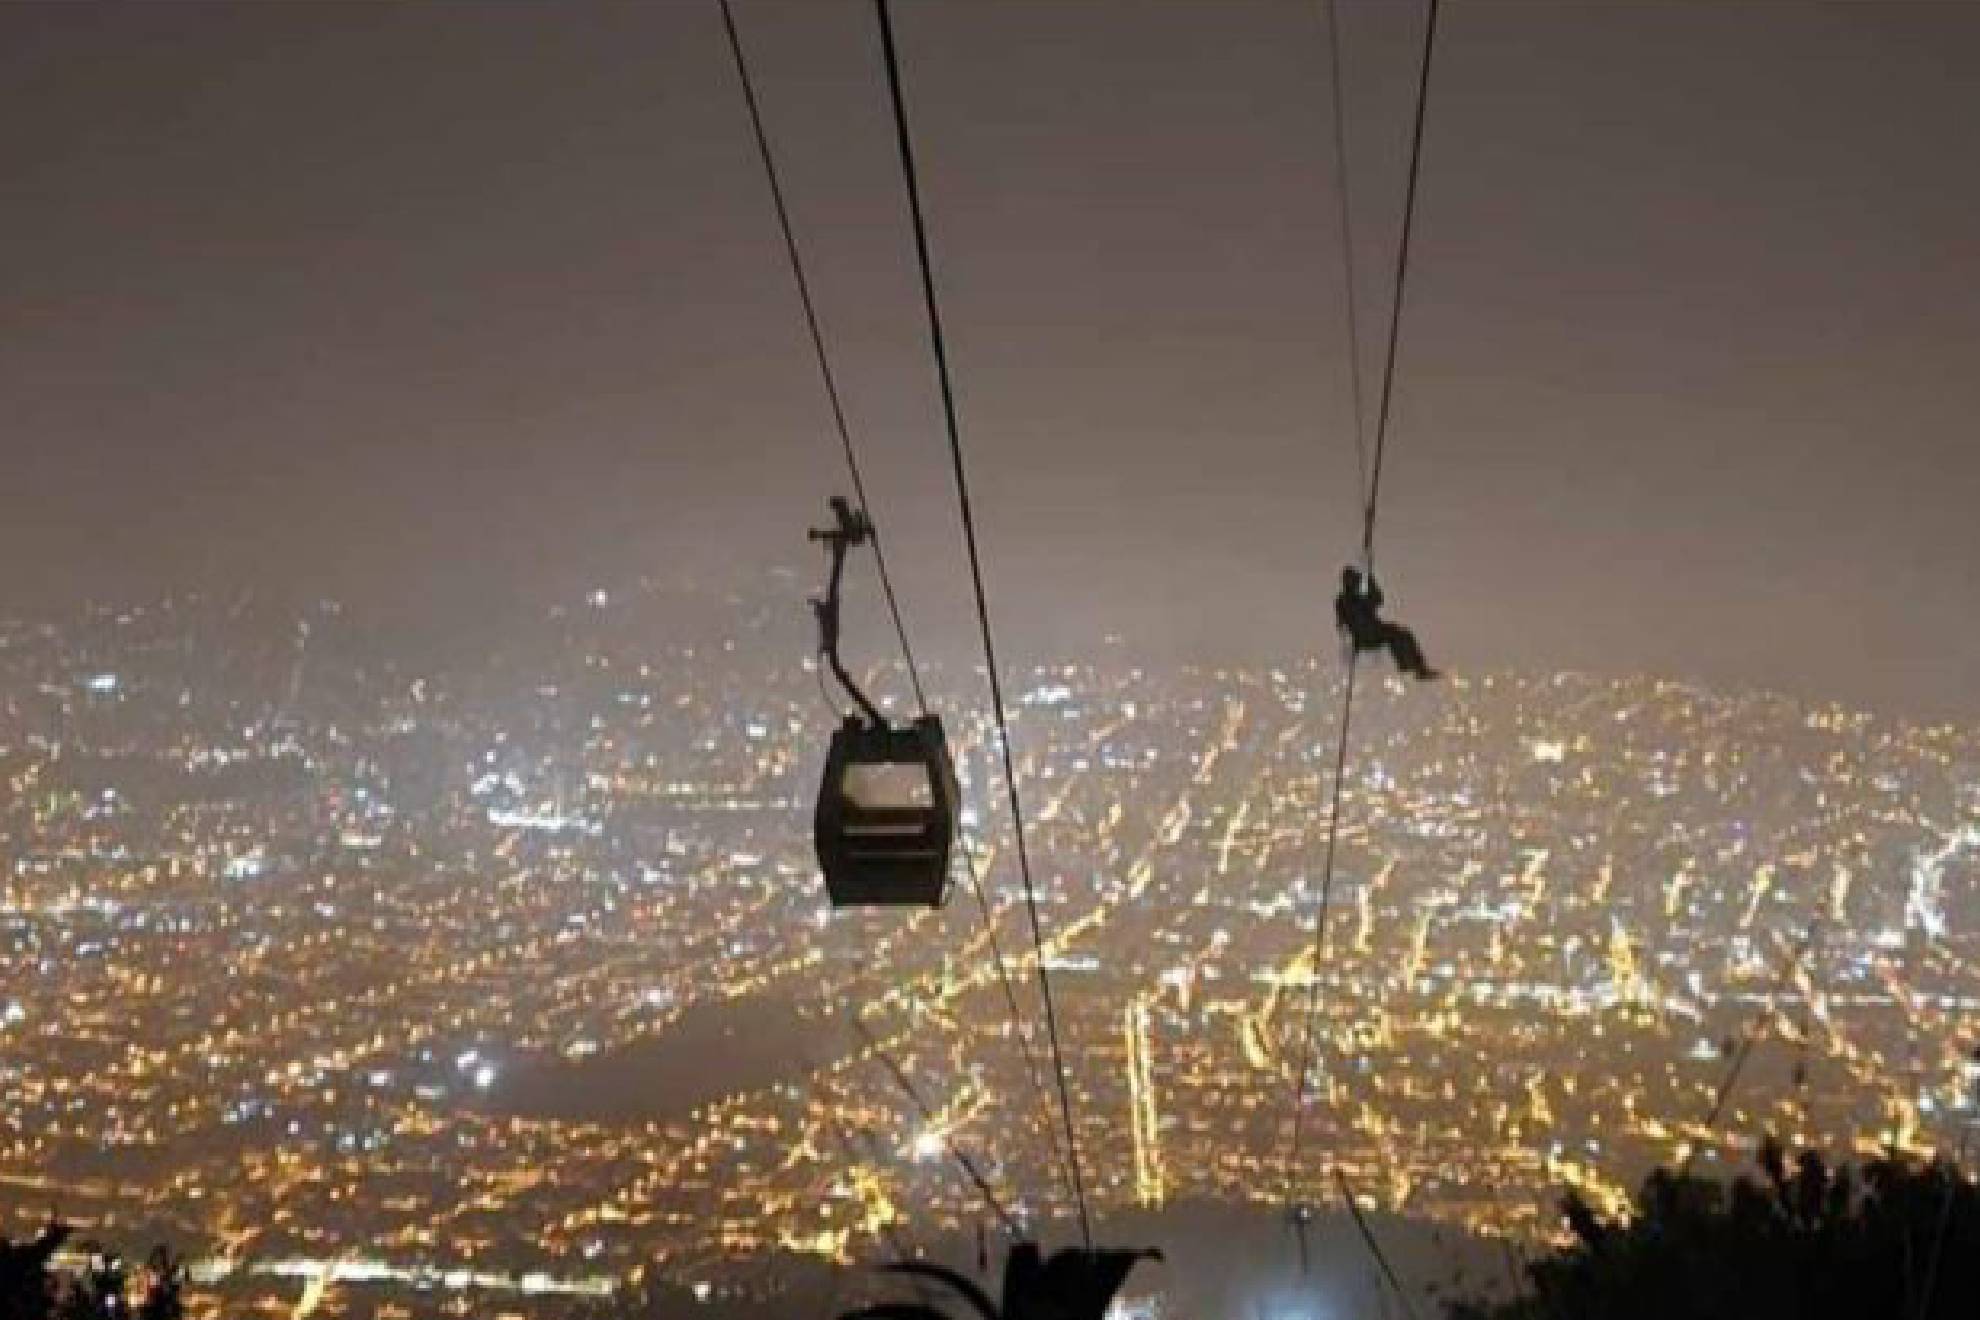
(1357, 612)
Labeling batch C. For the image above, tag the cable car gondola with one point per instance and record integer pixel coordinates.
(886, 812)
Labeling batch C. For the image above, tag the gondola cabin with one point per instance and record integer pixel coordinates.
(887, 814)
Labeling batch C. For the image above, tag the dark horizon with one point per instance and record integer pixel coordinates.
(448, 312)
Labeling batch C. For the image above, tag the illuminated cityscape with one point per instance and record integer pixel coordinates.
(494, 988)
(1426, 624)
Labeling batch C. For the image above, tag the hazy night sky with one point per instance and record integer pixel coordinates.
(442, 309)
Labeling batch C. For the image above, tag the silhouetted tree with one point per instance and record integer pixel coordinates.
(98, 1291)
(27, 1287)
(32, 1289)
(1801, 1242)
(164, 1295)
(1072, 1285)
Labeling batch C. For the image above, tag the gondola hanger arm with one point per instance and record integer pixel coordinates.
(851, 528)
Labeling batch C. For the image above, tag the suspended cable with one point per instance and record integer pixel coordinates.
(1754, 1031)
(818, 339)
(889, 1229)
(826, 374)
(962, 1157)
(1401, 288)
(1010, 1001)
(1318, 957)
(940, 349)
(1374, 1246)
(1349, 300)
(1372, 497)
